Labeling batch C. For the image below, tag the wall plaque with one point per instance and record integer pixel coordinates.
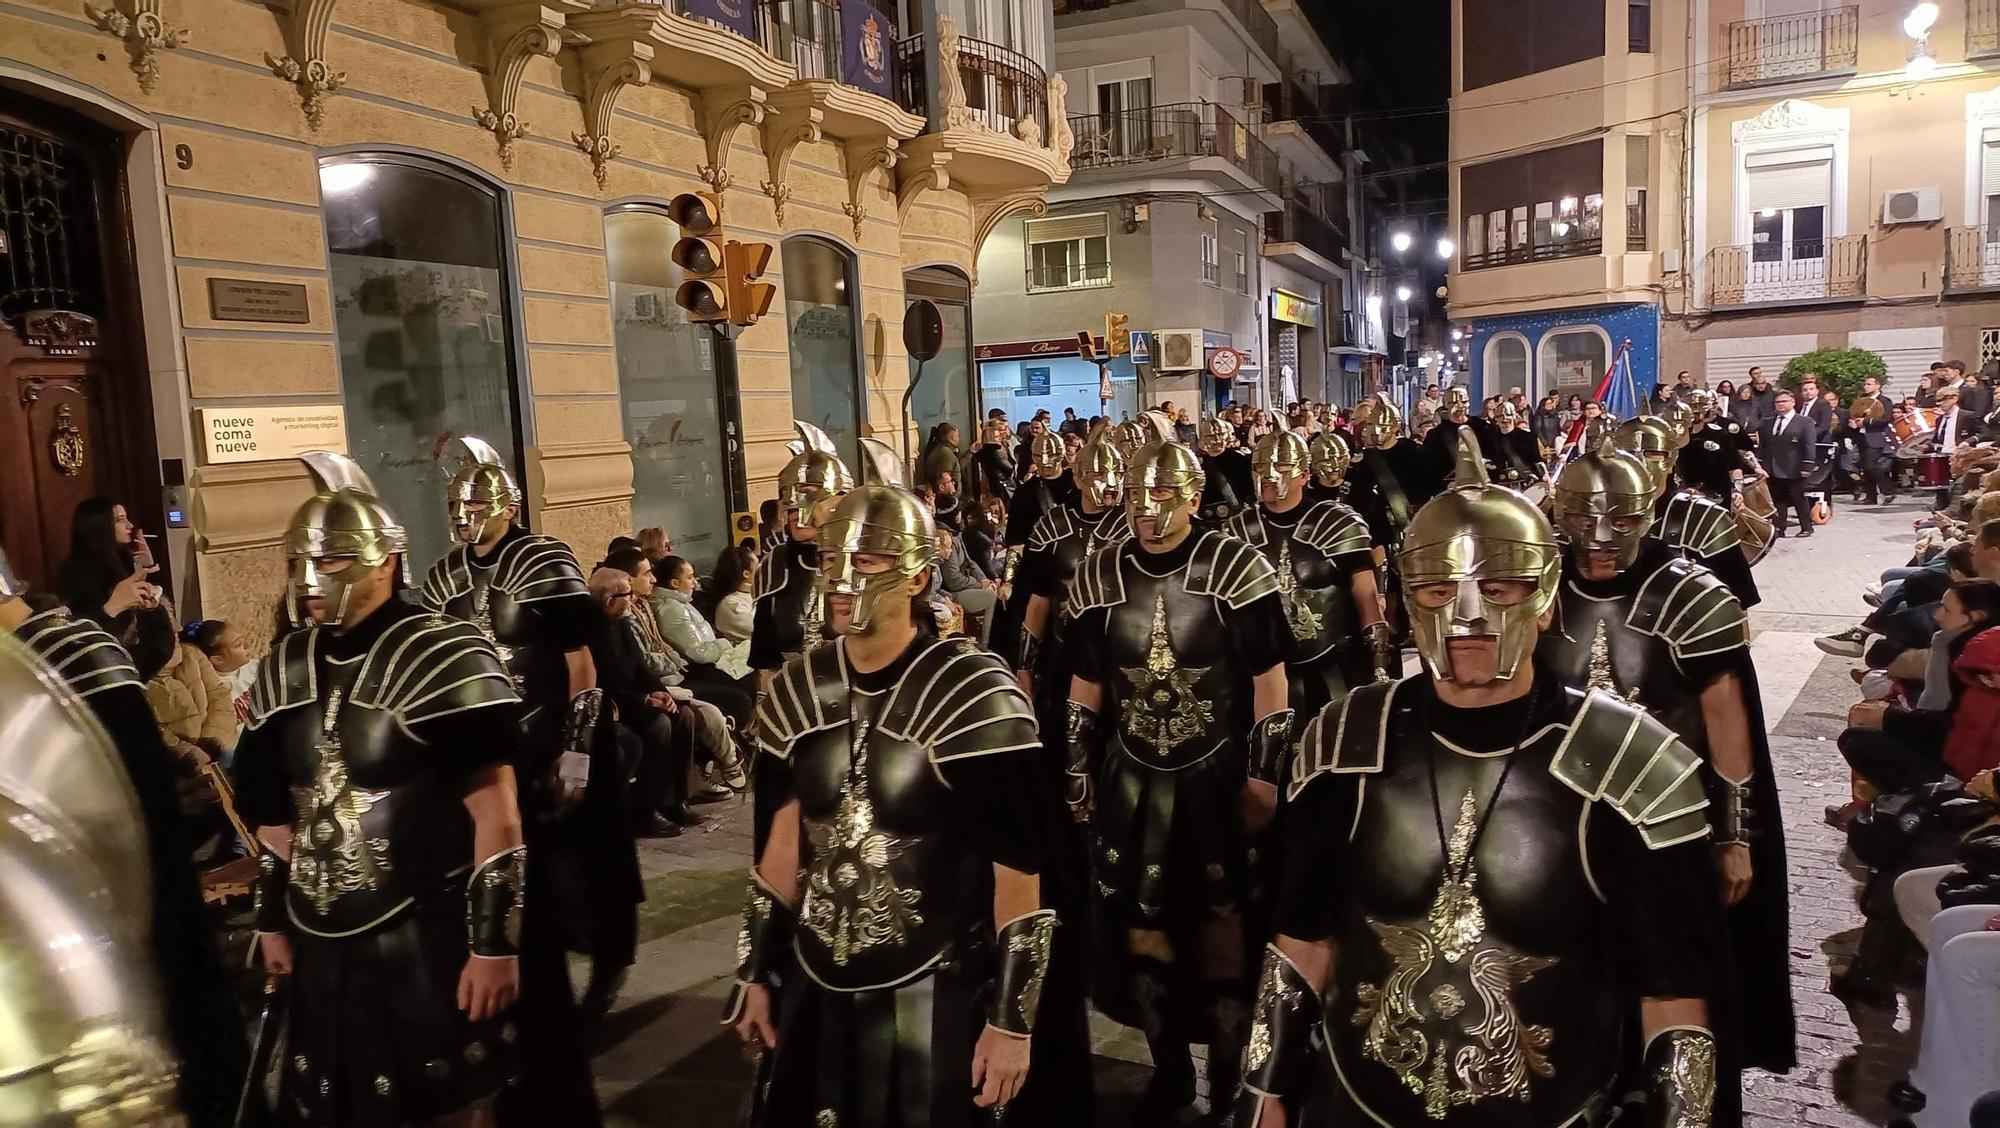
(271, 432)
(242, 299)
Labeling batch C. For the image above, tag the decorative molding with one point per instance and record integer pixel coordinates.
(514, 37)
(1062, 139)
(145, 32)
(608, 68)
(863, 159)
(305, 67)
(784, 130)
(988, 211)
(918, 175)
(1792, 115)
(720, 112)
(951, 88)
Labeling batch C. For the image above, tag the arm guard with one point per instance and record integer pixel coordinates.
(493, 905)
(1730, 818)
(761, 940)
(1031, 651)
(1082, 760)
(1024, 963)
(579, 735)
(268, 894)
(1270, 746)
(1278, 1059)
(1382, 654)
(1013, 561)
(1679, 1075)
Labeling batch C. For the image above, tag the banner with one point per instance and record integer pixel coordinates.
(739, 16)
(867, 42)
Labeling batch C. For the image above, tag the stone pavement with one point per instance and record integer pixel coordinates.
(662, 1060)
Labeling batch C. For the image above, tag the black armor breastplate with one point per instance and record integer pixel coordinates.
(1316, 590)
(84, 655)
(1711, 453)
(790, 577)
(498, 595)
(375, 824)
(891, 878)
(1072, 535)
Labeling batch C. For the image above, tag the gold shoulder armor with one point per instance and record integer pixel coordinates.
(1348, 736)
(1336, 529)
(1692, 610)
(1616, 752)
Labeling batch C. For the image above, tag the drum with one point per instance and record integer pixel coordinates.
(1934, 470)
(1914, 432)
(1753, 520)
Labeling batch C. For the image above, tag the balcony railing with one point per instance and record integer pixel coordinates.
(1982, 28)
(1002, 86)
(1577, 247)
(804, 33)
(1293, 100)
(1296, 224)
(1786, 48)
(1069, 276)
(1971, 259)
(1175, 132)
(1263, 30)
(1803, 270)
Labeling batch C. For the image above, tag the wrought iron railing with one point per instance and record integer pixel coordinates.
(1173, 132)
(1296, 224)
(1003, 88)
(1069, 276)
(1571, 247)
(1802, 270)
(804, 33)
(1982, 28)
(1971, 258)
(1782, 48)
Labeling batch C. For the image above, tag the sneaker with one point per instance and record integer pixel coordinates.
(1872, 588)
(1872, 598)
(1847, 644)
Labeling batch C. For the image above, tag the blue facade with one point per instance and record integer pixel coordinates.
(1638, 323)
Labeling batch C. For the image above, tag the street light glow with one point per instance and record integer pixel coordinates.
(1921, 19)
(1457, 334)
(1921, 65)
(1374, 305)
(1446, 248)
(1401, 241)
(1402, 293)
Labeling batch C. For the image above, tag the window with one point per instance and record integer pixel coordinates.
(1211, 269)
(421, 318)
(682, 475)
(1574, 359)
(1070, 252)
(1522, 37)
(1788, 193)
(1506, 362)
(1637, 159)
(1639, 26)
(1542, 205)
(1124, 114)
(1243, 266)
(944, 394)
(1989, 183)
(826, 361)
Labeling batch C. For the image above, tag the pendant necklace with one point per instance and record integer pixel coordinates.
(1457, 919)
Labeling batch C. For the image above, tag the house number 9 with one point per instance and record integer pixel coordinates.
(184, 156)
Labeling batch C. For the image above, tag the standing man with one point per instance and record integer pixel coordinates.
(1048, 485)
(1976, 395)
(1442, 443)
(1520, 463)
(1178, 723)
(1666, 634)
(1815, 408)
(525, 594)
(1329, 456)
(1225, 468)
(1878, 447)
(1326, 578)
(903, 870)
(377, 766)
(1499, 886)
(1956, 427)
(1763, 403)
(1789, 449)
(788, 617)
(1391, 480)
(1717, 453)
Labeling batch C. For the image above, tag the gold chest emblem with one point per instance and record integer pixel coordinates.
(331, 856)
(852, 902)
(1421, 1030)
(815, 621)
(1305, 621)
(1164, 710)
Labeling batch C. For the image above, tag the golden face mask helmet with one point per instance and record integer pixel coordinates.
(1045, 455)
(1702, 402)
(1604, 503)
(874, 521)
(1129, 435)
(483, 497)
(1471, 534)
(1280, 459)
(1163, 465)
(1650, 439)
(815, 477)
(1329, 457)
(1100, 468)
(1377, 422)
(1679, 418)
(344, 519)
(1458, 402)
(1215, 435)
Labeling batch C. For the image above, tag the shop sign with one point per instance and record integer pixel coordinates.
(270, 433)
(739, 16)
(1573, 374)
(1287, 306)
(1008, 350)
(244, 299)
(866, 38)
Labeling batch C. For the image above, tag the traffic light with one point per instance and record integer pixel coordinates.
(743, 264)
(1117, 338)
(699, 253)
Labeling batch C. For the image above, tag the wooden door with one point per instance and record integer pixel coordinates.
(75, 397)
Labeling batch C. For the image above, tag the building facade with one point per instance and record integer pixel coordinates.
(1765, 176)
(227, 231)
(1213, 188)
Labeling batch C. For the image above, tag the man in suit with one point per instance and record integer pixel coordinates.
(1788, 447)
(1956, 427)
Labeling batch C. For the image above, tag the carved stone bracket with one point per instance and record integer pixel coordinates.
(608, 68)
(721, 112)
(988, 211)
(145, 32)
(917, 176)
(305, 67)
(863, 160)
(514, 37)
(785, 130)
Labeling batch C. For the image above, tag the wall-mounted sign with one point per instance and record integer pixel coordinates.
(270, 432)
(1573, 374)
(1008, 350)
(242, 299)
(1142, 347)
(1287, 306)
(1224, 363)
(1035, 380)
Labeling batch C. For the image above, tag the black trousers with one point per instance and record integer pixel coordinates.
(1889, 763)
(1790, 492)
(1876, 482)
(660, 747)
(731, 695)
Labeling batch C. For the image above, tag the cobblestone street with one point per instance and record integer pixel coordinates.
(662, 1060)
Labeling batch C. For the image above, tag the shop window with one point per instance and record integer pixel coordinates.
(421, 315)
(681, 474)
(1506, 363)
(1068, 252)
(944, 390)
(824, 332)
(1574, 359)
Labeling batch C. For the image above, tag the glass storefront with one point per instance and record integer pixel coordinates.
(667, 387)
(820, 315)
(1024, 386)
(945, 393)
(421, 318)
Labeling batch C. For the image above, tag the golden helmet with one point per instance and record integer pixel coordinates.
(344, 519)
(1330, 457)
(1280, 455)
(1214, 435)
(1100, 468)
(814, 475)
(1045, 454)
(1651, 440)
(1162, 464)
(1703, 402)
(481, 491)
(1679, 417)
(1129, 435)
(1475, 532)
(883, 520)
(1604, 502)
(1457, 398)
(1377, 422)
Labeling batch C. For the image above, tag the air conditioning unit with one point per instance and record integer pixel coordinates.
(1177, 350)
(1912, 205)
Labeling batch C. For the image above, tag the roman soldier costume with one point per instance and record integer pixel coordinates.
(1172, 638)
(363, 738)
(1713, 459)
(1659, 633)
(1225, 467)
(1317, 549)
(912, 783)
(1689, 523)
(1442, 441)
(1049, 486)
(789, 613)
(1393, 477)
(1331, 453)
(1492, 890)
(1061, 541)
(1518, 462)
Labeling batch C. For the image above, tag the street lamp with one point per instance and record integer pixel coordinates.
(1446, 248)
(1921, 66)
(1457, 334)
(1917, 25)
(1401, 241)
(1921, 19)
(1402, 293)
(1374, 305)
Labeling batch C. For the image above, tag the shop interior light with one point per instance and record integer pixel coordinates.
(339, 179)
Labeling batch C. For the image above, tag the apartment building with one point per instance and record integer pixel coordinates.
(1211, 199)
(1723, 183)
(229, 230)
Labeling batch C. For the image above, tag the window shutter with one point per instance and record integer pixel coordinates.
(1989, 164)
(1066, 228)
(1799, 178)
(1637, 157)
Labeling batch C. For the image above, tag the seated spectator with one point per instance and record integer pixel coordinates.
(982, 538)
(655, 735)
(195, 709)
(695, 641)
(733, 586)
(715, 745)
(657, 544)
(945, 500)
(1896, 748)
(965, 585)
(229, 653)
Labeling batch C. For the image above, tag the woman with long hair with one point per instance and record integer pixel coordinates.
(730, 586)
(103, 579)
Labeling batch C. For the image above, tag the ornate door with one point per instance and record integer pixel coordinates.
(75, 405)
